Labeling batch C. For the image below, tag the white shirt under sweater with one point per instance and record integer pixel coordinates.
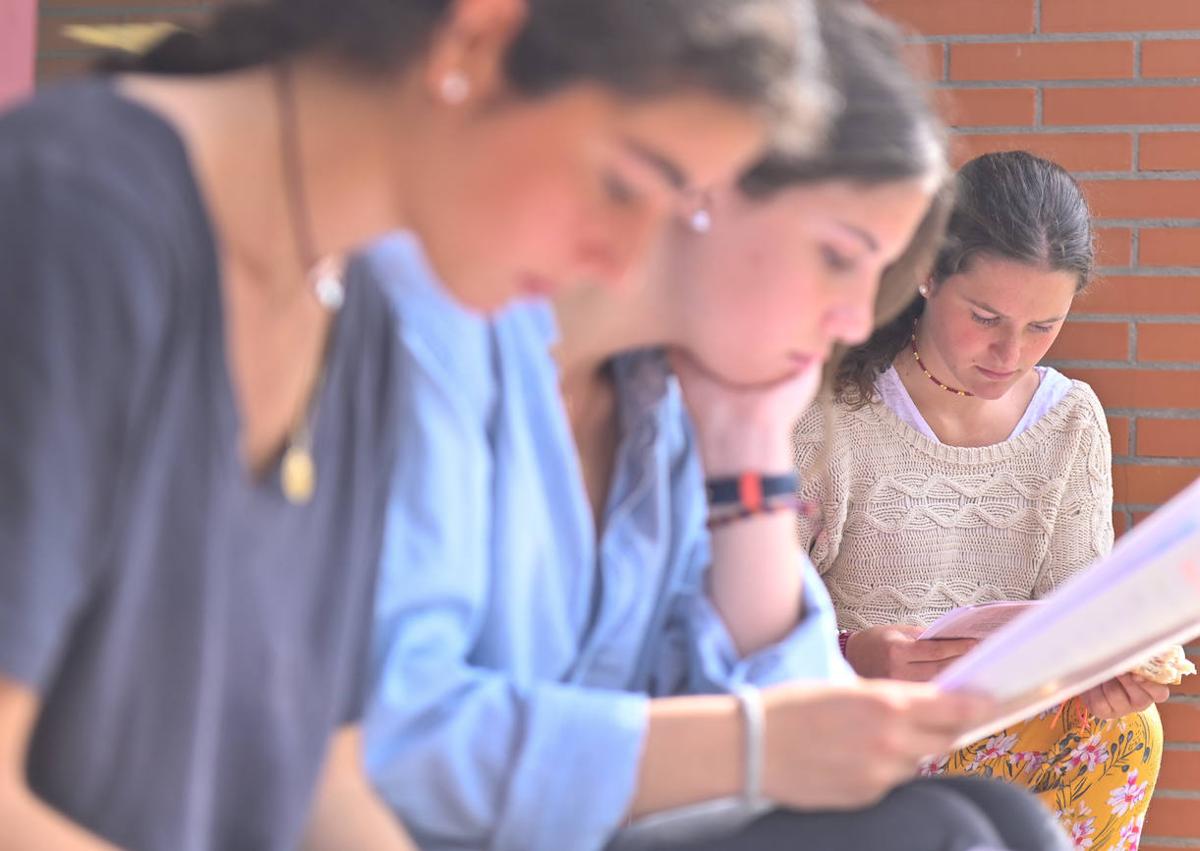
(1053, 386)
(910, 528)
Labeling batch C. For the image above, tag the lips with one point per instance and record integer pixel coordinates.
(996, 376)
(535, 285)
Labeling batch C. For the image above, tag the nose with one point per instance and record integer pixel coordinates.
(851, 319)
(1006, 350)
(609, 250)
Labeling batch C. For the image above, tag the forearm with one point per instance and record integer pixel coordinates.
(31, 825)
(346, 811)
(756, 580)
(693, 752)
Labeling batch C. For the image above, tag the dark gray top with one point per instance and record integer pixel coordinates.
(194, 637)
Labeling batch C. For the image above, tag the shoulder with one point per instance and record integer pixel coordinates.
(85, 143)
(1079, 409)
(839, 425)
(103, 230)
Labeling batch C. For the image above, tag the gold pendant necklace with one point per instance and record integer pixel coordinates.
(298, 467)
(298, 475)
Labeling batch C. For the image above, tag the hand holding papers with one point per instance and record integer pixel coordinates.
(1105, 622)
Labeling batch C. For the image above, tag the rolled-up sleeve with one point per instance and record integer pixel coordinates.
(808, 652)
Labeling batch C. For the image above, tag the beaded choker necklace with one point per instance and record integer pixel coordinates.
(925, 369)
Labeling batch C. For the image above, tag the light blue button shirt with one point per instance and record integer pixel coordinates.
(515, 653)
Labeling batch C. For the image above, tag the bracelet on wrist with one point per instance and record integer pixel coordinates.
(724, 518)
(750, 489)
(754, 723)
(844, 640)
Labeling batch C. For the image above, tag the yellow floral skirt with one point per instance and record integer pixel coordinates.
(1096, 776)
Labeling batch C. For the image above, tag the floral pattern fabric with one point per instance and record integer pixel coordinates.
(1097, 776)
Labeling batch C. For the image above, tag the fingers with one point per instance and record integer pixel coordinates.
(1142, 692)
(1097, 703)
(939, 649)
(923, 672)
(1112, 699)
(932, 709)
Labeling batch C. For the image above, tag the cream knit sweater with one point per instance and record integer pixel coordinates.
(909, 528)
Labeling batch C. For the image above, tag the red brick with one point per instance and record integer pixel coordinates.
(1146, 485)
(988, 107)
(1169, 342)
(1118, 429)
(1169, 246)
(1073, 151)
(1167, 295)
(1091, 341)
(1114, 247)
(927, 59)
(1119, 527)
(1136, 105)
(1088, 60)
(1169, 152)
(962, 17)
(1173, 58)
(1119, 15)
(1168, 438)
(1139, 516)
(1173, 817)
(1143, 199)
(1143, 388)
(1190, 686)
(1180, 769)
(1181, 721)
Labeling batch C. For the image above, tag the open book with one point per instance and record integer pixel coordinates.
(1107, 620)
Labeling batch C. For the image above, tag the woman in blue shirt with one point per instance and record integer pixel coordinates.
(557, 632)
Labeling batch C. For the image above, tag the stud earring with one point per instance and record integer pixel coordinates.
(700, 221)
(923, 290)
(455, 87)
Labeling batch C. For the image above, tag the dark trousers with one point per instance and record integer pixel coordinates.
(928, 814)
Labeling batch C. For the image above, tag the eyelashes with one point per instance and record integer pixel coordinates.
(835, 260)
(992, 321)
(620, 190)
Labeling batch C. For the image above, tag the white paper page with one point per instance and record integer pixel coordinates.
(1104, 622)
(979, 621)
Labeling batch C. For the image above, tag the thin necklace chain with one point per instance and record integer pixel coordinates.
(298, 472)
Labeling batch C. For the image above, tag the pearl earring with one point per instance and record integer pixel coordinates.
(923, 290)
(455, 87)
(700, 221)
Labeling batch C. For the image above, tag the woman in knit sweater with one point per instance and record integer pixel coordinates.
(961, 473)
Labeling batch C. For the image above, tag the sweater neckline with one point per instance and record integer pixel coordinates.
(1052, 420)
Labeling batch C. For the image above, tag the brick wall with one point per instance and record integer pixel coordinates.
(1110, 89)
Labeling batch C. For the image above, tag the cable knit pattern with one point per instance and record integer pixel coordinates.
(909, 528)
